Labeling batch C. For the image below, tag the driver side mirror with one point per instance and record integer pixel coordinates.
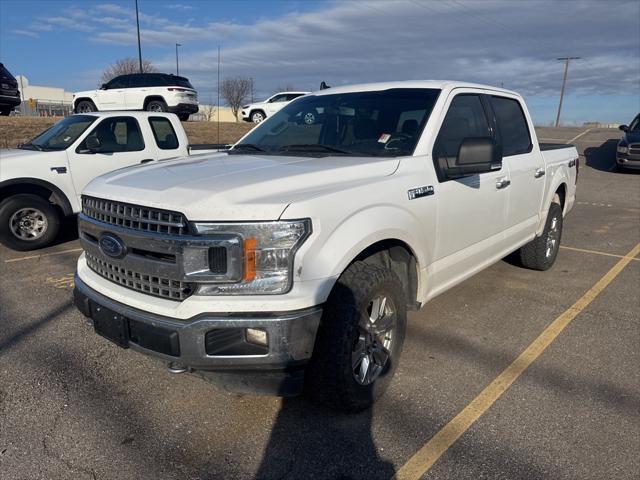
(103, 86)
(624, 128)
(475, 155)
(93, 144)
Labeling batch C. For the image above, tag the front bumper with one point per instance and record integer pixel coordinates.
(279, 371)
(10, 100)
(183, 108)
(628, 161)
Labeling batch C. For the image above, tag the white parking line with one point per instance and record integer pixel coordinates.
(579, 135)
(31, 257)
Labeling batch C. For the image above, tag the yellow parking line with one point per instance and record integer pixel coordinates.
(30, 257)
(424, 458)
(595, 252)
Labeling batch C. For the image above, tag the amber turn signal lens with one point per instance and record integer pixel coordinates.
(249, 259)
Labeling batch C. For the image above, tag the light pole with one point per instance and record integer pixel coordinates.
(564, 81)
(139, 48)
(177, 65)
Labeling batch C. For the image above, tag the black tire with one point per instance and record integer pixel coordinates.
(538, 254)
(156, 106)
(330, 378)
(257, 116)
(184, 116)
(11, 206)
(85, 106)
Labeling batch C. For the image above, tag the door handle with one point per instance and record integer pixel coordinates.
(146, 160)
(503, 183)
(539, 173)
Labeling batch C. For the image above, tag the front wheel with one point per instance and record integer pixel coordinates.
(541, 252)
(359, 340)
(28, 222)
(257, 117)
(85, 106)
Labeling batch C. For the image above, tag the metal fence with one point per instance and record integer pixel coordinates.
(44, 108)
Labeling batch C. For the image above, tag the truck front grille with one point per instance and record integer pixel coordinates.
(142, 282)
(634, 149)
(135, 217)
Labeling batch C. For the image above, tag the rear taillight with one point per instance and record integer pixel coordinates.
(577, 168)
(174, 89)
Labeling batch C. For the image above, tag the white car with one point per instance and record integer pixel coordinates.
(259, 111)
(41, 181)
(292, 259)
(153, 92)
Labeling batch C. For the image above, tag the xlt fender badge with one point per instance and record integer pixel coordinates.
(572, 163)
(420, 192)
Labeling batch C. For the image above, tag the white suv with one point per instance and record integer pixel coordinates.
(257, 112)
(154, 92)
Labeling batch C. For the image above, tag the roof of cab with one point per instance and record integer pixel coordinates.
(439, 84)
(128, 113)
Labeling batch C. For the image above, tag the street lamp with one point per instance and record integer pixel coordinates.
(177, 67)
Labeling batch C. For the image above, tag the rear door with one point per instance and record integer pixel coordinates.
(471, 209)
(137, 91)
(525, 164)
(121, 144)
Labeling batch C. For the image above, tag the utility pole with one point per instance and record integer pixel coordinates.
(138, 27)
(177, 66)
(564, 82)
(218, 105)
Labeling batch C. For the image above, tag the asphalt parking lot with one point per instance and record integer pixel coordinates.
(74, 406)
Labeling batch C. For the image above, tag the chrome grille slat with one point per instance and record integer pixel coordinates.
(142, 282)
(135, 217)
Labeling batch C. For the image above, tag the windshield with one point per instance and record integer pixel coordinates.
(377, 123)
(62, 134)
(635, 124)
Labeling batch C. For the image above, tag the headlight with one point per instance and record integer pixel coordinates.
(623, 148)
(268, 250)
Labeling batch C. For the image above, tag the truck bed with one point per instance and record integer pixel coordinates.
(554, 146)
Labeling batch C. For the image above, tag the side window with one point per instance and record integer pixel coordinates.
(465, 118)
(163, 132)
(278, 98)
(136, 81)
(117, 134)
(293, 96)
(512, 125)
(118, 82)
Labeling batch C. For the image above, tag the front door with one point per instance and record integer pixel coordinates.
(121, 145)
(471, 210)
(112, 97)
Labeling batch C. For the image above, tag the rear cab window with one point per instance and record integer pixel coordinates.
(512, 126)
(163, 132)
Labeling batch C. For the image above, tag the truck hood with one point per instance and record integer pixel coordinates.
(225, 187)
(16, 163)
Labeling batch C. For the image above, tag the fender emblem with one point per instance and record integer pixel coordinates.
(420, 192)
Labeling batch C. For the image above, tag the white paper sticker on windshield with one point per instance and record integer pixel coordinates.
(384, 138)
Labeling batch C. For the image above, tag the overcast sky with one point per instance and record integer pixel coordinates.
(511, 43)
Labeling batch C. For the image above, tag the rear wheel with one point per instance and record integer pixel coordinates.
(28, 222)
(156, 106)
(85, 106)
(541, 252)
(359, 340)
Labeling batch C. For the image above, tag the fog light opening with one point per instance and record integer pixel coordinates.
(256, 336)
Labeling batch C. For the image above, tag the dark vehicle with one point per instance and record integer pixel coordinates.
(628, 151)
(9, 93)
(153, 92)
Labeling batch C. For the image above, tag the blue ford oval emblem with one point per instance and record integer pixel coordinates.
(112, 246)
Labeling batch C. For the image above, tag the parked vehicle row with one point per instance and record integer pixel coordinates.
(41, 181)
(153, 92)
(289, 262)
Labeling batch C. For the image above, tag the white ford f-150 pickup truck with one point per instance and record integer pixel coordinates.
(289, 262)
(41, 181)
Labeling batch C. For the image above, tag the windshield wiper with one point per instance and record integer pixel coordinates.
(247, 146)
(312, 147)
(31, 144)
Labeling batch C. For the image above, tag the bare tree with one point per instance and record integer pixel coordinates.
(287, 87)
(235, 91)
(126, 66)
(208, 112)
